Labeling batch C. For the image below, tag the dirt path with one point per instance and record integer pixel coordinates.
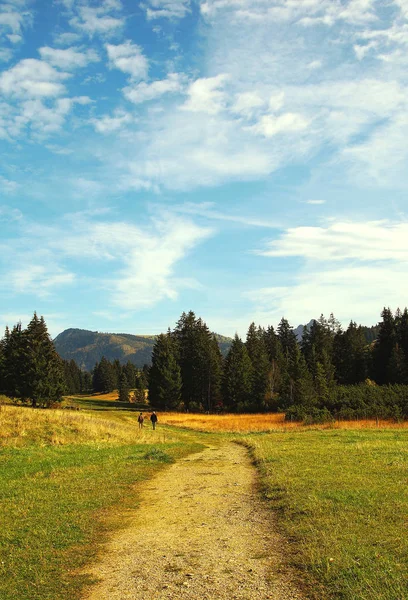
(199, 533)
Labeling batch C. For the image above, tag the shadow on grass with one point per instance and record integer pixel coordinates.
(109, 405)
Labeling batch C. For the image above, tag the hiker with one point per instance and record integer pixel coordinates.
(153, 419)
(140, 420)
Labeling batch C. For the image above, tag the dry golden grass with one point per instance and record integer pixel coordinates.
(112, 396)
(20, 426)
(248, 423)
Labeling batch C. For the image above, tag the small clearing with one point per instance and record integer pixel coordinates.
(200, 532)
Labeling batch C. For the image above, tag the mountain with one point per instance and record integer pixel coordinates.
(299, 330)
(87, 347)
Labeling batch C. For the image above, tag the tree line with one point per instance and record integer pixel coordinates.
(32, 371)
(331, 372)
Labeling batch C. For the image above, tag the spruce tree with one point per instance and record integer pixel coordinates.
(384, 346)
(104, 377)
(237, 379)
(164, 374)
(287, 336)
(123, 388)
(44, 377)
(257, 352)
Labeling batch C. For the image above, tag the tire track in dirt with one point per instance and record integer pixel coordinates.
(200, 532)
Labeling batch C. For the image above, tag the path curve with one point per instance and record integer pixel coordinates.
(200, 533)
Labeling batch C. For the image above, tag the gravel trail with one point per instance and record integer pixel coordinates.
(200, 532)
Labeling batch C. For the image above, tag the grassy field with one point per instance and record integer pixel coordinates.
(66, 481)
(341, 498)
(340, 495)
(68, 478)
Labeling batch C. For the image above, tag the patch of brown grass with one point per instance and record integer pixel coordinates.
(20, 426)
(248, 423)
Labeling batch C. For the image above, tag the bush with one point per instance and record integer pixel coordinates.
(308, 415)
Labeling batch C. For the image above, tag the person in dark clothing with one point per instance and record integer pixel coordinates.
(140, 420)
(153, 419)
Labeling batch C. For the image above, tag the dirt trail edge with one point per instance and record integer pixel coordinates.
(200, 532)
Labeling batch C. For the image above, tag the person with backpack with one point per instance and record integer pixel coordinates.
(140, 420)
(153, 419)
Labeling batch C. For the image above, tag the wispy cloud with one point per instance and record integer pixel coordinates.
(143, 261)
(69, 58)
(209, 211)
(340, 241)
(348, 267)
(105, 19)
(166, 9)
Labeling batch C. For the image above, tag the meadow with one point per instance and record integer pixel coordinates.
(66, 481)
(338, 493)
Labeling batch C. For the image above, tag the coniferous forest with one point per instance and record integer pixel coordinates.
(330, 373)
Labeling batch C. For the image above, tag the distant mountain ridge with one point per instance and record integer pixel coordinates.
(87, 347)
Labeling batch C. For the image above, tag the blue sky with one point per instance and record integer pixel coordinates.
(246, 159)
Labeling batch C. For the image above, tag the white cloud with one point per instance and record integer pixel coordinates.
(148, 276)
(307, 12)
(368, 241)
(69, 58)
(47, 119)
(67, 38)
(210, 211)
(167, 9)
(247, 103)
(6, 212)
(349, 292)
(33, 78)
(270, 125)
(382, 159)
(350, 268)
(13, 20)
(108, 124)
(129, 58)
(143, 91)
(102, 20)
(206, 95)
(143, 261)
(38, 280)
(14, 38)
(6, 54)
(315, 201)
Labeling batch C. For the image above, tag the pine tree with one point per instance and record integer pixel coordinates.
(384, 346)
(123, 388)
(257, 352)
(131, 374)
(287, 336)
(103, 377)
(397, 371)
(350, 355)
(43, 382)
(14, 364)
(237, 379)
(164, 375)
(196, 359)
(272, 343)
(215, 376)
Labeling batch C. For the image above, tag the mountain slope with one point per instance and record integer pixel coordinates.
(88, 347)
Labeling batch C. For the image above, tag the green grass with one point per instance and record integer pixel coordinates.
(57, 503)
(342, 502)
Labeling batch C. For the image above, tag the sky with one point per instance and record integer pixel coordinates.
(245, 159)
